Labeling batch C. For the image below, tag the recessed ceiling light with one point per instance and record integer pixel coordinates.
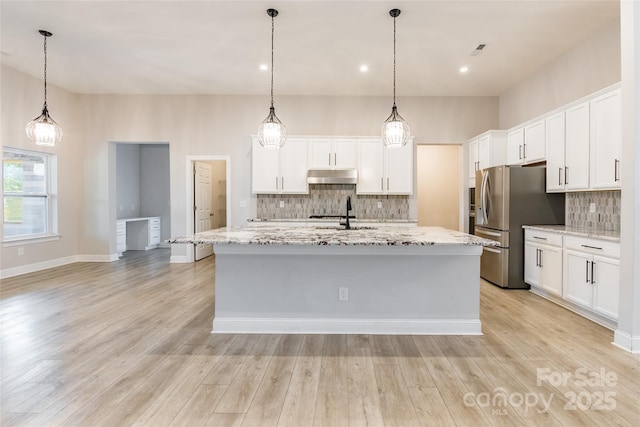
(364, 68)
(464, 69)
(264, 67)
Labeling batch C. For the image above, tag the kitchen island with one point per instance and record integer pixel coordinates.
(323, 279)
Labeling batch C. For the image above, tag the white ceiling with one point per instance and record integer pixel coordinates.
(216, 47)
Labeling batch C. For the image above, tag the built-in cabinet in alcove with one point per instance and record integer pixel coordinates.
(142, 183)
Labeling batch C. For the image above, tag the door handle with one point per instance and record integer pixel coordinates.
(495, 251)
(587, 272)
(559, 176)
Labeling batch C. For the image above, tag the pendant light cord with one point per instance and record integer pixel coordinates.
(45, 71)
(394, 61)
(272, 30)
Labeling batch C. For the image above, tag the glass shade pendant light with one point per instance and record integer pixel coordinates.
(395, 130)
(43, 130)
(272, 132)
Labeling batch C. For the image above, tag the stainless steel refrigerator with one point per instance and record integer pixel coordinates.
(508, 197)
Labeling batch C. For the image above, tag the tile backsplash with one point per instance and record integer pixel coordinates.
(607, 210)
(330, 199)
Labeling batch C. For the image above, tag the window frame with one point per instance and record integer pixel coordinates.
(49, 195)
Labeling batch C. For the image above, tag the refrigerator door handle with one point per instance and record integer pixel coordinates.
(495, 251)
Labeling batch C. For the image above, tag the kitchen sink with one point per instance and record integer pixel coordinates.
(341, 228)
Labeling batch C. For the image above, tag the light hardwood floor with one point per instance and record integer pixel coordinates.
(129, 343)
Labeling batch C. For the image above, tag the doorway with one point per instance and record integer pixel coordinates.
(208, 190)
(439, 186)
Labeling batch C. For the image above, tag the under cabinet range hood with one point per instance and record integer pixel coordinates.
(332, 176)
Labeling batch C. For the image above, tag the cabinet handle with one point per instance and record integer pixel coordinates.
(537, 257)
(276, 182)
(335, 159)
(387, 183)
(587, 272)
(381, 183)
(559, 176)
(593, 282)
(282, 180)
(540, 265)
(591, 247)
(539, 238)
(329, 159)
(616, 170)
(524, 151)
(566, 174)
(519, 152)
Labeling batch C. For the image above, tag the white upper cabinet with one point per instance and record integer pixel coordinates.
(576, 152)
(333, 153)
(473, 162)
(384, 170)
(606, 141)
(533, 150)
(279, 171)
(486, 150)
(555, 151)
(515, 142)
(526, 144)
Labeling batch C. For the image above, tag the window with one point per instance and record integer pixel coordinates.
(28, 202)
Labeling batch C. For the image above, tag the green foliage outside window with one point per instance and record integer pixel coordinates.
(13, 182)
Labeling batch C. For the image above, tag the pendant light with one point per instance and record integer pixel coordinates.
(272, 132)
(43, 130)
(395, 130)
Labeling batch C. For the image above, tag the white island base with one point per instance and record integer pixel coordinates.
(413, 289)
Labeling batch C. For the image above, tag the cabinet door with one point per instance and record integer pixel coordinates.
(370, 167)
(515, 140)
(293, 166)
(320, 153)
(345, 154)
(473, 162)
(551, 266)
(265, 169)
(531, 268)
(607, 283)
(577, 278)
(534, 142)
(484, 152)
(577, 147)
(554, 129)
(606, 141)
(399, 169)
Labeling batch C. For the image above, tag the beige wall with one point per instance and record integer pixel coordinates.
(21, 101)
(439, 185)
(590, 66)
(194, 125)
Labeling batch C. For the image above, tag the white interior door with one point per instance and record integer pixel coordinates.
(202, 211)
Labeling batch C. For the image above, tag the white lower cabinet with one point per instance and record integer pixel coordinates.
(154, 231)
(580, 273)
(543, 261)
(121, 236)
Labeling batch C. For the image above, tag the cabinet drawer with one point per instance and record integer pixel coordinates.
(543, 237)
(154, 239)
(593, 246)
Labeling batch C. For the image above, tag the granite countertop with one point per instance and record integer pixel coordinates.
(332, 236)
(333, 220)
(593, 233)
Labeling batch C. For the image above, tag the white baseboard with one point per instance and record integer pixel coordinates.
(52, 263)
(179, 259)
(234, 325)
(626, 341)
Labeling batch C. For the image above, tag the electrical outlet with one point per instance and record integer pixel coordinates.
(20, 251)
(592, 207)
(379, 205)
(343, 294)
(282, 203)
